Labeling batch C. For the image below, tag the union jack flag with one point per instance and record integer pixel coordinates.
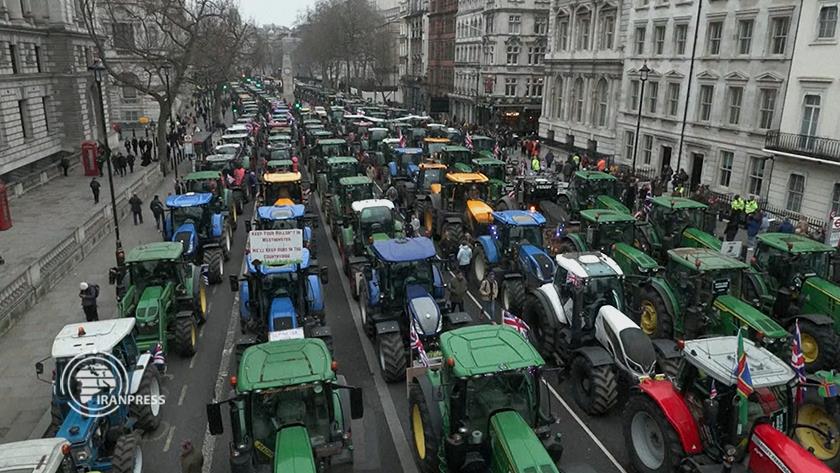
(468, 142)
(416, 344)
(497, 151)
(797, 361)
(516, 323)
(158, 358)
(713, 390)
(745, 386)
(402, 138)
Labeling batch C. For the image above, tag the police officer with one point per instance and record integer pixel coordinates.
(737, 208)
(751, 207)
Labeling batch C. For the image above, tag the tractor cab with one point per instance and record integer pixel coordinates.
(429, 177)
(235, 138)
(800, 264)
(675, 222)
(280, 153)
(434, 146)
(374, 137)
(589, 190)
(483, 146)
(218, 162)
(376, 220)
(601, 229)
(405, 163)
(325, 148)
(456, 158)
(514, 228)
(290, 411)
(406, 267)
(47, 455)
(586, 282)
(350, 189)
(191, 216)
(282, 188)
(468, 192)
(275, 166)
(334, 170)
(234, 149)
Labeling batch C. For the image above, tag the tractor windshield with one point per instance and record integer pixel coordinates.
(494, 171)
(462, 157)
(282, 190)
(376, 220)
(337, 171)
(485, 395)
(784, 267)
(408, 273)
(285, 224)
(704, 286)
(278, 154)
(333, 150)
(472, 191)
(434, 148)
(405, 159)
(181, 215)
(378, 135)
(278, 285)
(202, 185)
(431, 176)
(485, 144)
(595, 187)
(615, 232)
(602, 291)
(526, 234)
(676, 220)
(307, 405)
(152, 273)
(358, 192)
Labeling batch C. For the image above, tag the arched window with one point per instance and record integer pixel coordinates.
(601, 102)
(558, 97)
(577, 101)
(561, 32)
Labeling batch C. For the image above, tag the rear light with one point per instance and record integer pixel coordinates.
(334, 365)
(233, 380)
(65, 449)
(680, 345)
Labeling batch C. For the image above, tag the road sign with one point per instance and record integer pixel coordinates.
(731, 248)
(834, 232)
(276, 247)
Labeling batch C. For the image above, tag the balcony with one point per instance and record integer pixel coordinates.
(803, 145)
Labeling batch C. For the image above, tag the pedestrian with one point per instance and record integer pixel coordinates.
(252, 183)
(786, 226)
(602, 165)
(802, 227)
(630, 194)
(731, 230)
(192, 461)
(736, 209)
(100, 163)
(136, 208)
(489, 291)
(94, 187)
(130, 160)
(568, 169)
(88, 294)
(156, 206)
(464, 256)
(119, 162)
(549, 160)
(457, 291)
(134, 144)
(753, 226)
(535, 164)
(765, 222)
(415, 223)
(127, 145)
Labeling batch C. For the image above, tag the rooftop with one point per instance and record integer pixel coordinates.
(284, 363)
(716, 357)
(97, 337)
(588, 265)
(704, 259)
(466, 177)
(606, 216)
(483, 349)
(793, 243)
(280, 177)
(162, 250)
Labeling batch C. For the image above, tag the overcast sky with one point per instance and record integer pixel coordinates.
(279, 12)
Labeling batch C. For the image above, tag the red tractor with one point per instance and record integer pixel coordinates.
(691, 424)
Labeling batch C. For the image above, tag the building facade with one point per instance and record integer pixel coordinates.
(469, 43)
(414, 46)
(441, 53)
(805, 145)
(583, 75)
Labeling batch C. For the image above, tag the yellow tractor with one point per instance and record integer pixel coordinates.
(459, 206)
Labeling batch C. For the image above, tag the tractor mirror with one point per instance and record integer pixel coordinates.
(247, 226)
(234, 283)
(324, 276)
(39, 368)
(357, 403)
(214, 419)
(112, 276)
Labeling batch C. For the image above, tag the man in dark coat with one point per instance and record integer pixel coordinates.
(136, 208)
(88, 294)
(134, 144)
(94, 187)
(156, 206)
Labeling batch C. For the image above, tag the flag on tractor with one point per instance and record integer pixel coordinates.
(713, 390)
(797, 361)
(516, 323)
(468, 142)
(158, 358)
(745, 386)
(417, 345)
(497, 151)
(402, 138)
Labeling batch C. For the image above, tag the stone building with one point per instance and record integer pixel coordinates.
(441, 53)
(414, 47)
(469, 43)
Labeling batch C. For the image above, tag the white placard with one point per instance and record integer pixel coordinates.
(290, 334)
(834, 232)
(731, 248)
(276, 247)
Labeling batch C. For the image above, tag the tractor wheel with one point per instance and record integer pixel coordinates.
(454, 231)
(56, 419)
(539, 335)
(670, 367)
(363, 308)
(200, 302)
(814, 414)
(426, 440)
(127, 457)
(652, 443)
(655, 320)
(428, 218)
(565, 208)
(513, 296)
(234, 217)
(185, 336)
(226, 243)
(595, 388)
(215, 264)
(354, 287)
(148, 415)
(479, 265)
(392, 356)
(819, 345)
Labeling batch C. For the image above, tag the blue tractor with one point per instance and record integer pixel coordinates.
(287, 217)
(403, 288)
(404, 164)
(282, 302)
(195, 221)
(513, 250)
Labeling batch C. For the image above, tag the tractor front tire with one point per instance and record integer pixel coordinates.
(127, 454)
(513, 296)
(652, 443)
(479, 266)
(426, 441)
(819, 345)
(655, 320)
(595, 388)
(185, 336)
(148, 415)
(214, 260)
(392, 357)
(56, 419)
(227, 242)
(814, 414)
(455, 232)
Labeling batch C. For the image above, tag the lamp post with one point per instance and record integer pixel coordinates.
(99, 72)
(166, 69)
(643, 77)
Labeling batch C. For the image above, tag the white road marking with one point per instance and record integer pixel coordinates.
(201, 331)
(168, 442)
(192, 361)
(183, 395)
(209, 307)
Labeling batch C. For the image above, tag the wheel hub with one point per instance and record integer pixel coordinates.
(810, 348)
(648, 319)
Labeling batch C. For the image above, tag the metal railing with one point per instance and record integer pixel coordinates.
(812, 146)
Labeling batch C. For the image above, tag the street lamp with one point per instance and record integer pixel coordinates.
(166, 68)
(99, 72)
(643, 76)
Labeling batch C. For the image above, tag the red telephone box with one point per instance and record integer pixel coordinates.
(5, 212)
(89, 152)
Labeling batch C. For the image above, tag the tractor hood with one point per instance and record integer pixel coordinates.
(610, 203)
(696, 238)
(538, 263)
(423, 309)
(773, 451)
(522, 451)
(824, 296)
(481, 212)
(632, 348)
(148, 307)
(293, 452)
(186, 235)
(77, 428)
(282, 315)
(754, 318)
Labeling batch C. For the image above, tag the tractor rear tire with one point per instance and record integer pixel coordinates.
(655, 320)
(227, 242)
(127, 454)
(420, 207)
(513, 296)
(392, 356)
(148, 415)
(215, 265)
(200, 300)
(653, 445)
(185, 336)
(479, 266)
(541, 334)
(595, 388)
(819, 345)
(455, 232)
(426, 448)
(56, 419)
(367, 322)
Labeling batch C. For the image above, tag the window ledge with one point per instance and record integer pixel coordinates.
(823, 42)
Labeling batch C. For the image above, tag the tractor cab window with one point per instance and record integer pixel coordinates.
(616, 232)
(276, 285)
(283, 190)
(598, 292)
(285, 224)
(494, 171)
(486, 395)
(307, 405)
(404, 159)
(431, 176)
(376, 220)
(338, 171)
(195, 214)
(358, 192)
(405, 274)
(332, 150)
(809, 264)
(525, 234)
(152, 273)
(278, 154)
(434, 148)
(483, 145)
(676, 220)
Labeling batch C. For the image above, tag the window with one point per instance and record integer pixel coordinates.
(736, 95)
(129, 92)
(634, 95)
(796, 187)
(536, 55)
(607, 32)
(680, 35)
(510, 87)
(756, 175)
(835, 199)
(726, 160)
(563, 34)
(45, 102)
(489, 54)
(512, 55)
(629, 144)
(515, 24)
(541, 25)
(713, 40)
(639, 39)
(528, 87)
(647, 148)
(810, 115)
(582, 33)
(745, 32)
(766, 108)
(13, 58)
(488, 27)
(659, 40)
(37, 52)
(601, 100)
(828, 22)
(779, 27)
(25, 119)
(537, 87)
(707, 93)
(673, 98)
(558, 90)
(123, 35)
(577, 103)
(652, 95)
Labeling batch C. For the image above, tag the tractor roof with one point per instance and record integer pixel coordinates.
(455, 149)
(606, 216)
(96, 337)
(284, 363)
(484, 161)
(391, 141)
(793, 243)
(318, 133)
(225, 146)
(404, 250)
(678, 203)
(592, 264)
(594, 176)
(466, 177)
(32, 456)
(279, 137)
(483, 349)
(279, 162)
(481, 137)
(190, 199)
(219, 158)
(278, 177)
(342, 160)
(235, 136)
(360, 205)
(716, 357)
(704, 259)
(519, 218)
(286, 268)
(428, 165)
(332, 141)
(281, 212)
(354, 181)
(203, 175)
(436, 140)
(161, 250)
(408, 150)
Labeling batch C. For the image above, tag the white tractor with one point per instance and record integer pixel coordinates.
(37, 456)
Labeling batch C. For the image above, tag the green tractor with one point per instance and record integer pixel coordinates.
(334, 169)
(483, 147)
(790, 280)
(461, 204)
(457, 158)
(590, 190)
(495, 170)
(484, 407)
(165, 294)
(213, 182)
(611, 232)
(374, 219)
(323, 150)
(290, 411)
(339, 211)
(675, 222)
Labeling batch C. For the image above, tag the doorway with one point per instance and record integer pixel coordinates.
(665, 158)
(696, 170)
